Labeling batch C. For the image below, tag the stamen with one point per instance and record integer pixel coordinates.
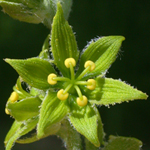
(91, 84)
(14, 97)
(82, 101)
(89, 66)
(78, 91)
(70, 63)
(61, 95)
(50, 79)
(7, 111)
(81, 83)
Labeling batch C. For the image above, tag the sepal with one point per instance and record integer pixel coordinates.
(63, 41)
(24, 109)
(34, 71)
(52, 111)
(103, 53)
(84, 119)
(109, 92)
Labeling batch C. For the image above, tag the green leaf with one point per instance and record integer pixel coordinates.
(101, 133)
(25, 108)
(34, 71)
(15, 126)
(52, 111)
(70, 136)
(37, 11)
(109, 91)
(20, 11)
(84, 119)
(30, 125)
(103, 53)
(122, 143)
(49, 131)
(14, 137)
(63, 41)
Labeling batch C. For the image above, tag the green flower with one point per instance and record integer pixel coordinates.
(68, 84)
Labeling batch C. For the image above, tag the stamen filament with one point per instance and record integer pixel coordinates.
(61, 79)
(72, 71)
(78, 91)
(83, 73)
(67, 88)
(82, 83)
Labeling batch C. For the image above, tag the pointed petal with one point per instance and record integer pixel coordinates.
(63, 41)
(110, 91)
(52, 111)
(122, 143)
(103, 53)
(25, 108)
(34, 71)
(84, 119)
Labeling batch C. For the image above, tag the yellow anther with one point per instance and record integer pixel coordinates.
(50, 79)
(7, 111)
(61, 95)
(91, 64)
(91, 84)
(82, 101)
(69, 61)
(14, 97)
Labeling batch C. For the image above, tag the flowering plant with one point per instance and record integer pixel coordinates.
(63, 88)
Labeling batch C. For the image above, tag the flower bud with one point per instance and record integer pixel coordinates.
(35, 11)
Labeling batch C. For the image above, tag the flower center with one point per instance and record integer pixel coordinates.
(63, 94)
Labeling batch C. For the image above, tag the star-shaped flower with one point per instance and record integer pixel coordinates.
(65, 83)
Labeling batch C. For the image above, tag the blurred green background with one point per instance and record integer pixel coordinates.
(90, 19)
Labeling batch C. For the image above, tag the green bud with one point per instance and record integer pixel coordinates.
(41, 11)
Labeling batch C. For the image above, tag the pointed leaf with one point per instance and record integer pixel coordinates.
(84, 119)
(63, 41)
(52, 111)
(122, 143)
(30, 125)
(50, 131)
(34, 71)
(25, 108)
(15, 126)
(110, 91)
(15, 136)
(102, 52)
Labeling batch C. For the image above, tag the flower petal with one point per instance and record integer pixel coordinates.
(103, 53)
(25, 108)
(122, 143)
(34, 71)
(110, 91)
(84, 119)
(62, 41)
(52, 111)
